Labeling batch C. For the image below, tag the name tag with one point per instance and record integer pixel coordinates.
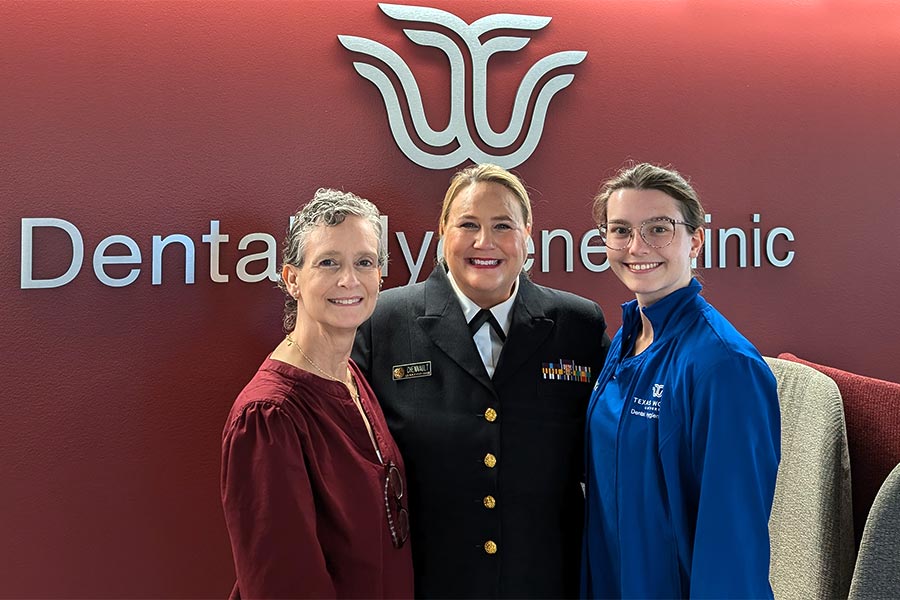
(411, 370)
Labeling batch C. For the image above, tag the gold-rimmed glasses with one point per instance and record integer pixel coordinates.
(658, 232)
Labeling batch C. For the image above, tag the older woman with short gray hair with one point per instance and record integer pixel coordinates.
(313, 485)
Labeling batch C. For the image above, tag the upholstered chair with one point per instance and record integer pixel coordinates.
(872, 412)
(877, 573)
(811, 526)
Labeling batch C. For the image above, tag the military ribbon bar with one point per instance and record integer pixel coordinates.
(565, 370)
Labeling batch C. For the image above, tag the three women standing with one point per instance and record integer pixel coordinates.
(683, 428)
(484, 378)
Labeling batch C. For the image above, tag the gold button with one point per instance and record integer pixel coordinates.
(490, 415)
(490, 502)
(490, 460)
(490, 547)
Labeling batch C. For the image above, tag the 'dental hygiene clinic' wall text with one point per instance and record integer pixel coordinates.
(732, 246)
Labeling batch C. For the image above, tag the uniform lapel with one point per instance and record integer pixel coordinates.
(529, 329)
(445, 324)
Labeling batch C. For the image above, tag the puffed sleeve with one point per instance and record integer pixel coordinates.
(736, 435)
(269, 508)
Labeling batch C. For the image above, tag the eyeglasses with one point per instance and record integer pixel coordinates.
(657, 233)
(393, 496)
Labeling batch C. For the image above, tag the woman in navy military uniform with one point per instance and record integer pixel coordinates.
(484, 379)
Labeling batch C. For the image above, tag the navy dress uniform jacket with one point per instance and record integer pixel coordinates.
(494, 466)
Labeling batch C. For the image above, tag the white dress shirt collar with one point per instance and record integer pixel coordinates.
(502, 312)
(486, 340)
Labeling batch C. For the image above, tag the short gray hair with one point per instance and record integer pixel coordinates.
(328, 207)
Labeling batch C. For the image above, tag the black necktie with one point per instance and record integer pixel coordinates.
(479, 319)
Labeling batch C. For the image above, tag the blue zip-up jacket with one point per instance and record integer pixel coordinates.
(682, 449)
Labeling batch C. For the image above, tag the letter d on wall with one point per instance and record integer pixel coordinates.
(28, 225)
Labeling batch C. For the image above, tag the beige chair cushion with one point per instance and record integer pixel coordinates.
(811, 526)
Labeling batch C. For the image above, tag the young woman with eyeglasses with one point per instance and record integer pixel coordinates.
(313, 485)
(683, 427)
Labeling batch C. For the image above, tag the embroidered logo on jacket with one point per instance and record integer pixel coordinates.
(648, 409)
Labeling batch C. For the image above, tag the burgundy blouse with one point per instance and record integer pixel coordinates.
(303, 491)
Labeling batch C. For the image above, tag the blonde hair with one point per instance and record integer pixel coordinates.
(485, 172)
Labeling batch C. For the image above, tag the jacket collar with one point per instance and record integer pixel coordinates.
(445, 324)
(667, 315)
(502, 312)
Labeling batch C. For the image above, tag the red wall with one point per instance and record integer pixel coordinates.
(154, 118)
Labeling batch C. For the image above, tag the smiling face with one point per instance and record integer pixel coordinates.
(485, 239)
(651, 273)
(337, 285)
